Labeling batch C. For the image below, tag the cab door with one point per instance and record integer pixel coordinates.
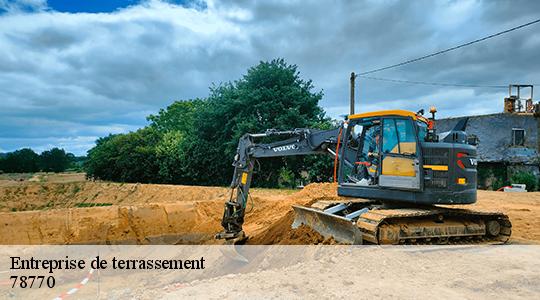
(400, 166)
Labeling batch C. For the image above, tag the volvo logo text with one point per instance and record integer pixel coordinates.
(284, 148)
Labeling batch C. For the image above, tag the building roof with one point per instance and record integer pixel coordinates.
(494, 132)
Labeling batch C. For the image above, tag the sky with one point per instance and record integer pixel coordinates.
(73, 71)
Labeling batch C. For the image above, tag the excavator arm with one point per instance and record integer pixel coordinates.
(295, 142)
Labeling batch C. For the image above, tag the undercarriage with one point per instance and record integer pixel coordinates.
(371, 222)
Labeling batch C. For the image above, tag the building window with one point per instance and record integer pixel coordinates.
(518, 136)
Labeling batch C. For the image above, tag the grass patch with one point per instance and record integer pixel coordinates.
(75, 189)
(95, 196)
(83, 204)
(44, 188)
(60, 189)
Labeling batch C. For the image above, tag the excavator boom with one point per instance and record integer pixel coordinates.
(296, 142)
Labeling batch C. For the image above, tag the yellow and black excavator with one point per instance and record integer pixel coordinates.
(399, 176)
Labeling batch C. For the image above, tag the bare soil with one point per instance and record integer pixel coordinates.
(47, 212)
(280, 233)
(522, 208)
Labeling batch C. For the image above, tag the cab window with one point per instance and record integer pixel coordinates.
(422, 131)
(390, 139)
(406, 136)
(399, 136)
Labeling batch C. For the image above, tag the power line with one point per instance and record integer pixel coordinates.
(449, 49)
(435, 83)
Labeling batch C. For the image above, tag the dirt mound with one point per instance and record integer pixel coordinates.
(270, 209)
(281, 233)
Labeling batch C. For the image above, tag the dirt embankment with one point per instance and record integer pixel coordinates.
(46, 196)
(47, 213)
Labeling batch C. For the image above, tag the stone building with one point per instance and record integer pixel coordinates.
(508, 142)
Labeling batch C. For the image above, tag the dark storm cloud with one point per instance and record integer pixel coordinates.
(66, 79)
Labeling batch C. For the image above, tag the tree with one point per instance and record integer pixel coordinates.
(270, 95)
(194, 141)
(55, 160)
(177, 116)
(100, 159)
(175, 122)
(21, 161)
(170, 158)
(127, 157)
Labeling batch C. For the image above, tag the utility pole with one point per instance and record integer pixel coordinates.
(353, 77)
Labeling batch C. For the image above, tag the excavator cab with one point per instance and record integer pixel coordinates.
(381, 152)
(395, 155)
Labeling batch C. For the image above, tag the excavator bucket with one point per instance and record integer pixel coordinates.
(231, 252)
(342, 229)
(230, 249)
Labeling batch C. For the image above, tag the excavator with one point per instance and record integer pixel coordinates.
(401, 181)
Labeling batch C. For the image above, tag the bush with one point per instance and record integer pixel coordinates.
(492, 176)
(286, 178)
(526, 178)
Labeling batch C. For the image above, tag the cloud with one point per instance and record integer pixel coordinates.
(67, 78)
(22, 6)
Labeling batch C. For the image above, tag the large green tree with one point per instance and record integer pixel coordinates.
(271, 95)
(176, 117)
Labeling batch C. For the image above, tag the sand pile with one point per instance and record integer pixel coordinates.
(280, 233)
